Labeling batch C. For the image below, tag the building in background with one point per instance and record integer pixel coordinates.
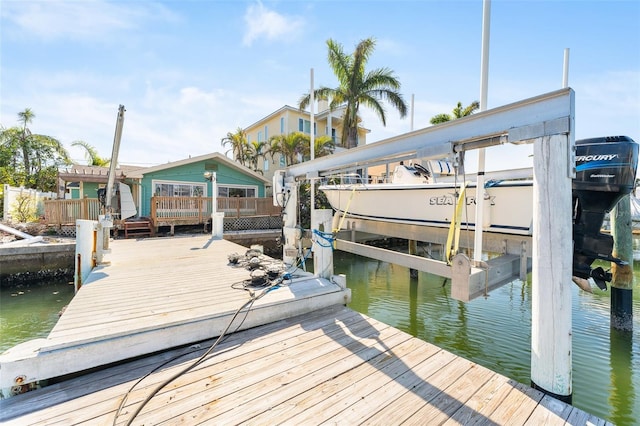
(289, 120)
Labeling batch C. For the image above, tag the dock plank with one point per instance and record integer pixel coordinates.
(454, 396)
(483, 402)
(518, 405)
(396, 400)
(550, 411)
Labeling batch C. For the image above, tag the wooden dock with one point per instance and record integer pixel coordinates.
(330, 366)
(156, 294)
(300, 356)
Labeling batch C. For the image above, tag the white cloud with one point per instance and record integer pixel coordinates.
(262, 22)
(79, 20)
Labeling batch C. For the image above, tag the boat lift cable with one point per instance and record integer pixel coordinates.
(247, 286)
(181, 372)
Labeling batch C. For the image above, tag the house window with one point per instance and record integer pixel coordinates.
(266, 133)
(260, 136)
(304, 125)
(281, 125)
(237, 191)
(283, 162)
(178, 189)
(266, 165)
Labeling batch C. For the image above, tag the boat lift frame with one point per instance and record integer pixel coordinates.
(518, 123)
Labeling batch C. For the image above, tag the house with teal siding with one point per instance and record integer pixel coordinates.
(186, 178)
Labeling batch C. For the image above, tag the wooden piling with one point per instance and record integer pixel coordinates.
(552, 265)
(622, 283)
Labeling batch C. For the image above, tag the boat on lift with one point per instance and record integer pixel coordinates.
(428, 195)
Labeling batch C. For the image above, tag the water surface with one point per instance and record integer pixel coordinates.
(30, 311)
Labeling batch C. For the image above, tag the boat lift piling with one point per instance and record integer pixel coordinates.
(546, 121)
(622, 283)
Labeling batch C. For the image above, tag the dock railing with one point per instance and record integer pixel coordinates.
(165, 210)
(66, 212)
(199, 208)
(247, 206)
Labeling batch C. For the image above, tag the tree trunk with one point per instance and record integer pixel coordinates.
(352, 138)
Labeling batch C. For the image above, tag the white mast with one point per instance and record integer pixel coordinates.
(484, 82)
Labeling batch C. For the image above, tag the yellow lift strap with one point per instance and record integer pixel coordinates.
(344, 214)
(453, 238)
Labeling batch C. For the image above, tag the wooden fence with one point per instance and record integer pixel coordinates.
(196, 210)
(164, 210)
(65, 212)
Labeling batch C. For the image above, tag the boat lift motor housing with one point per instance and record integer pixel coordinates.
(605, 172)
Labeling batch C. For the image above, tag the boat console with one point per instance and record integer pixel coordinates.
(605, 172)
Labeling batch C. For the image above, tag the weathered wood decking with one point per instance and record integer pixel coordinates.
(301, 357)
(331, 366)
(156, 294)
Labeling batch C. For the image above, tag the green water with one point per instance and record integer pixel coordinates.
(496, 332)
(31, 311)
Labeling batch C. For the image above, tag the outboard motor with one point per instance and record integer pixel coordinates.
(605, 172)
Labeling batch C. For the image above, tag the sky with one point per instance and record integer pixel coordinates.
(188, 72)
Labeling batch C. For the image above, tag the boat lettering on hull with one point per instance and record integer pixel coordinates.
(449, 200)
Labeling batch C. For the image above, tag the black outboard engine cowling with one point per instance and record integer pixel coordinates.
(605, 172)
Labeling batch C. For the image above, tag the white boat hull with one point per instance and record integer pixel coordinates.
(507, 207)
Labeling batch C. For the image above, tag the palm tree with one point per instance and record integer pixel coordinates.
(30, 160)
(253, 154)
(290, 146)
(92, 155)
(323, 146)
(358, 87)
(239, 145)
(25, 117)
(458, 112)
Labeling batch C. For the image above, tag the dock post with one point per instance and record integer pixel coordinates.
(552, 266)
(85, 250)
(322, 248)
(291, 232)
(622, 283)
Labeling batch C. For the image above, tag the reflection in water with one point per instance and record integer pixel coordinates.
(496, 331)
(621, 398)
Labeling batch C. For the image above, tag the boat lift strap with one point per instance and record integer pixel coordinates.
(453, 238)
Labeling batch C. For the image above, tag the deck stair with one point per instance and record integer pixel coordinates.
(138, 227)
